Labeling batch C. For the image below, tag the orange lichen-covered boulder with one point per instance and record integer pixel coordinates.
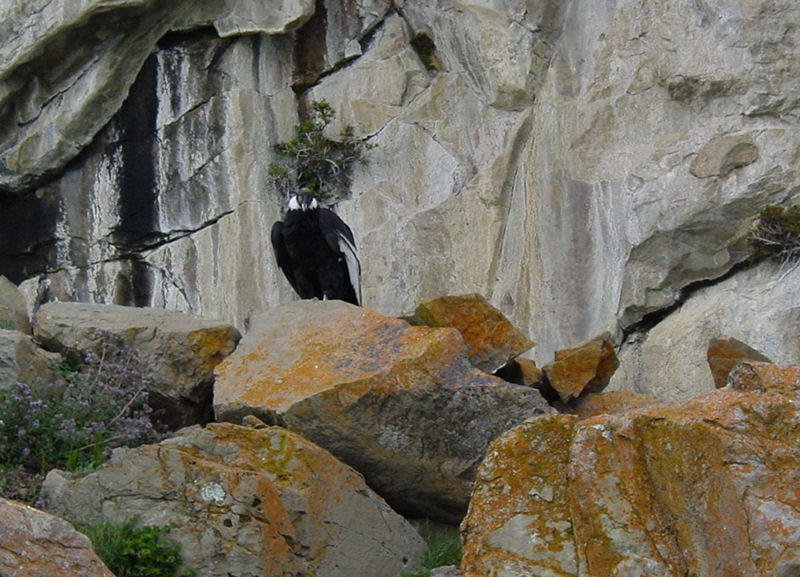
(248, 502)
(584, 369)
(724, 354)
(36, 544)
(492, 339)
(710, 487)
(399, 403)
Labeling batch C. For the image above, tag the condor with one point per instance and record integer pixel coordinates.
(316, 251)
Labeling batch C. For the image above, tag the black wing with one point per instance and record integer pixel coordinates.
(340, 238)
(282, 254)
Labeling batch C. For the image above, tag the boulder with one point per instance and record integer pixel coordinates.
(22, 361)
(724, 354)
(176, 350)
(702, 488)
(493, 341)
(246, 502)
(13, 310)
(36, 544)
(613, 402)
(401, 404)
(584, 369)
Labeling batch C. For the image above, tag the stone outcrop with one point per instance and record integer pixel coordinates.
(246, 502)
(724, 354)
(493, 341)
(36, 544)
(401, 404)
(582, 165)
(702, 488)
(581, 370)
(13, 310)
(758, 307)
(177, 351)
(21, 360)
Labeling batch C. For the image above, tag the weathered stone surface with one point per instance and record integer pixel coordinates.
(760, 307)
(36, 544)
(523, 372)
(702, 488)
(399, 403)
(13, 310)
(614, 402)
(22, 361)
(584, 369)
(52, 105)
(493, 341)
(580, 164)
(178, 351)
(233, 17)
(724, 354)
(246, 502)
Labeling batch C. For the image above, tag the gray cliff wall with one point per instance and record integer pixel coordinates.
(587, 166)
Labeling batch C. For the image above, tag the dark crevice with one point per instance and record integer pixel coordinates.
(651, 319)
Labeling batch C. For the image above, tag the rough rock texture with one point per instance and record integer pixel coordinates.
(613, 402)
(246, 502)
(581, 164)
(178, 351)
(724, 354)
(708, 487)
(581, 370)
(760, 307)
(13, 310)
(21, 360)
(493, 341)
(36, 544)
(401, 404)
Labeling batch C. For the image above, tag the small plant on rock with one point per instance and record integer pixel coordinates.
(777, 234)
(443, 550)
(131, 551)
(312, 160)
(73, 422)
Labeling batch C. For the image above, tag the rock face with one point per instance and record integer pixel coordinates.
(177, 351)
(36, 544)
(703, 488)
(21, 360)
(401, 404)
(583, 165)
(246, 502)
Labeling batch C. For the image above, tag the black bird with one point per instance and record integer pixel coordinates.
(316, 251)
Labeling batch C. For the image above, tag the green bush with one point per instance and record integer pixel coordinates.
(131, 551)
(311, 160)
(777, 234)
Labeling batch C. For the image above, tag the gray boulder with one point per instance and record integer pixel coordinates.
(176, 350)
(21, 360)
(250, 502)
(36, 544)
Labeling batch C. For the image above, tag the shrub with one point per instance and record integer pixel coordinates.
(75, 421)
(443, 549)
(311, 160)
(777, 234)
(130, 551)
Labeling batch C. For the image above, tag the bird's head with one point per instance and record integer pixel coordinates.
(304, 200)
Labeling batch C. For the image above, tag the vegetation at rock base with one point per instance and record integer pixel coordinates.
(443, 549)
(73, 422)
(426, 49)
(131, 551)
(777, 234)
(312, 160)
